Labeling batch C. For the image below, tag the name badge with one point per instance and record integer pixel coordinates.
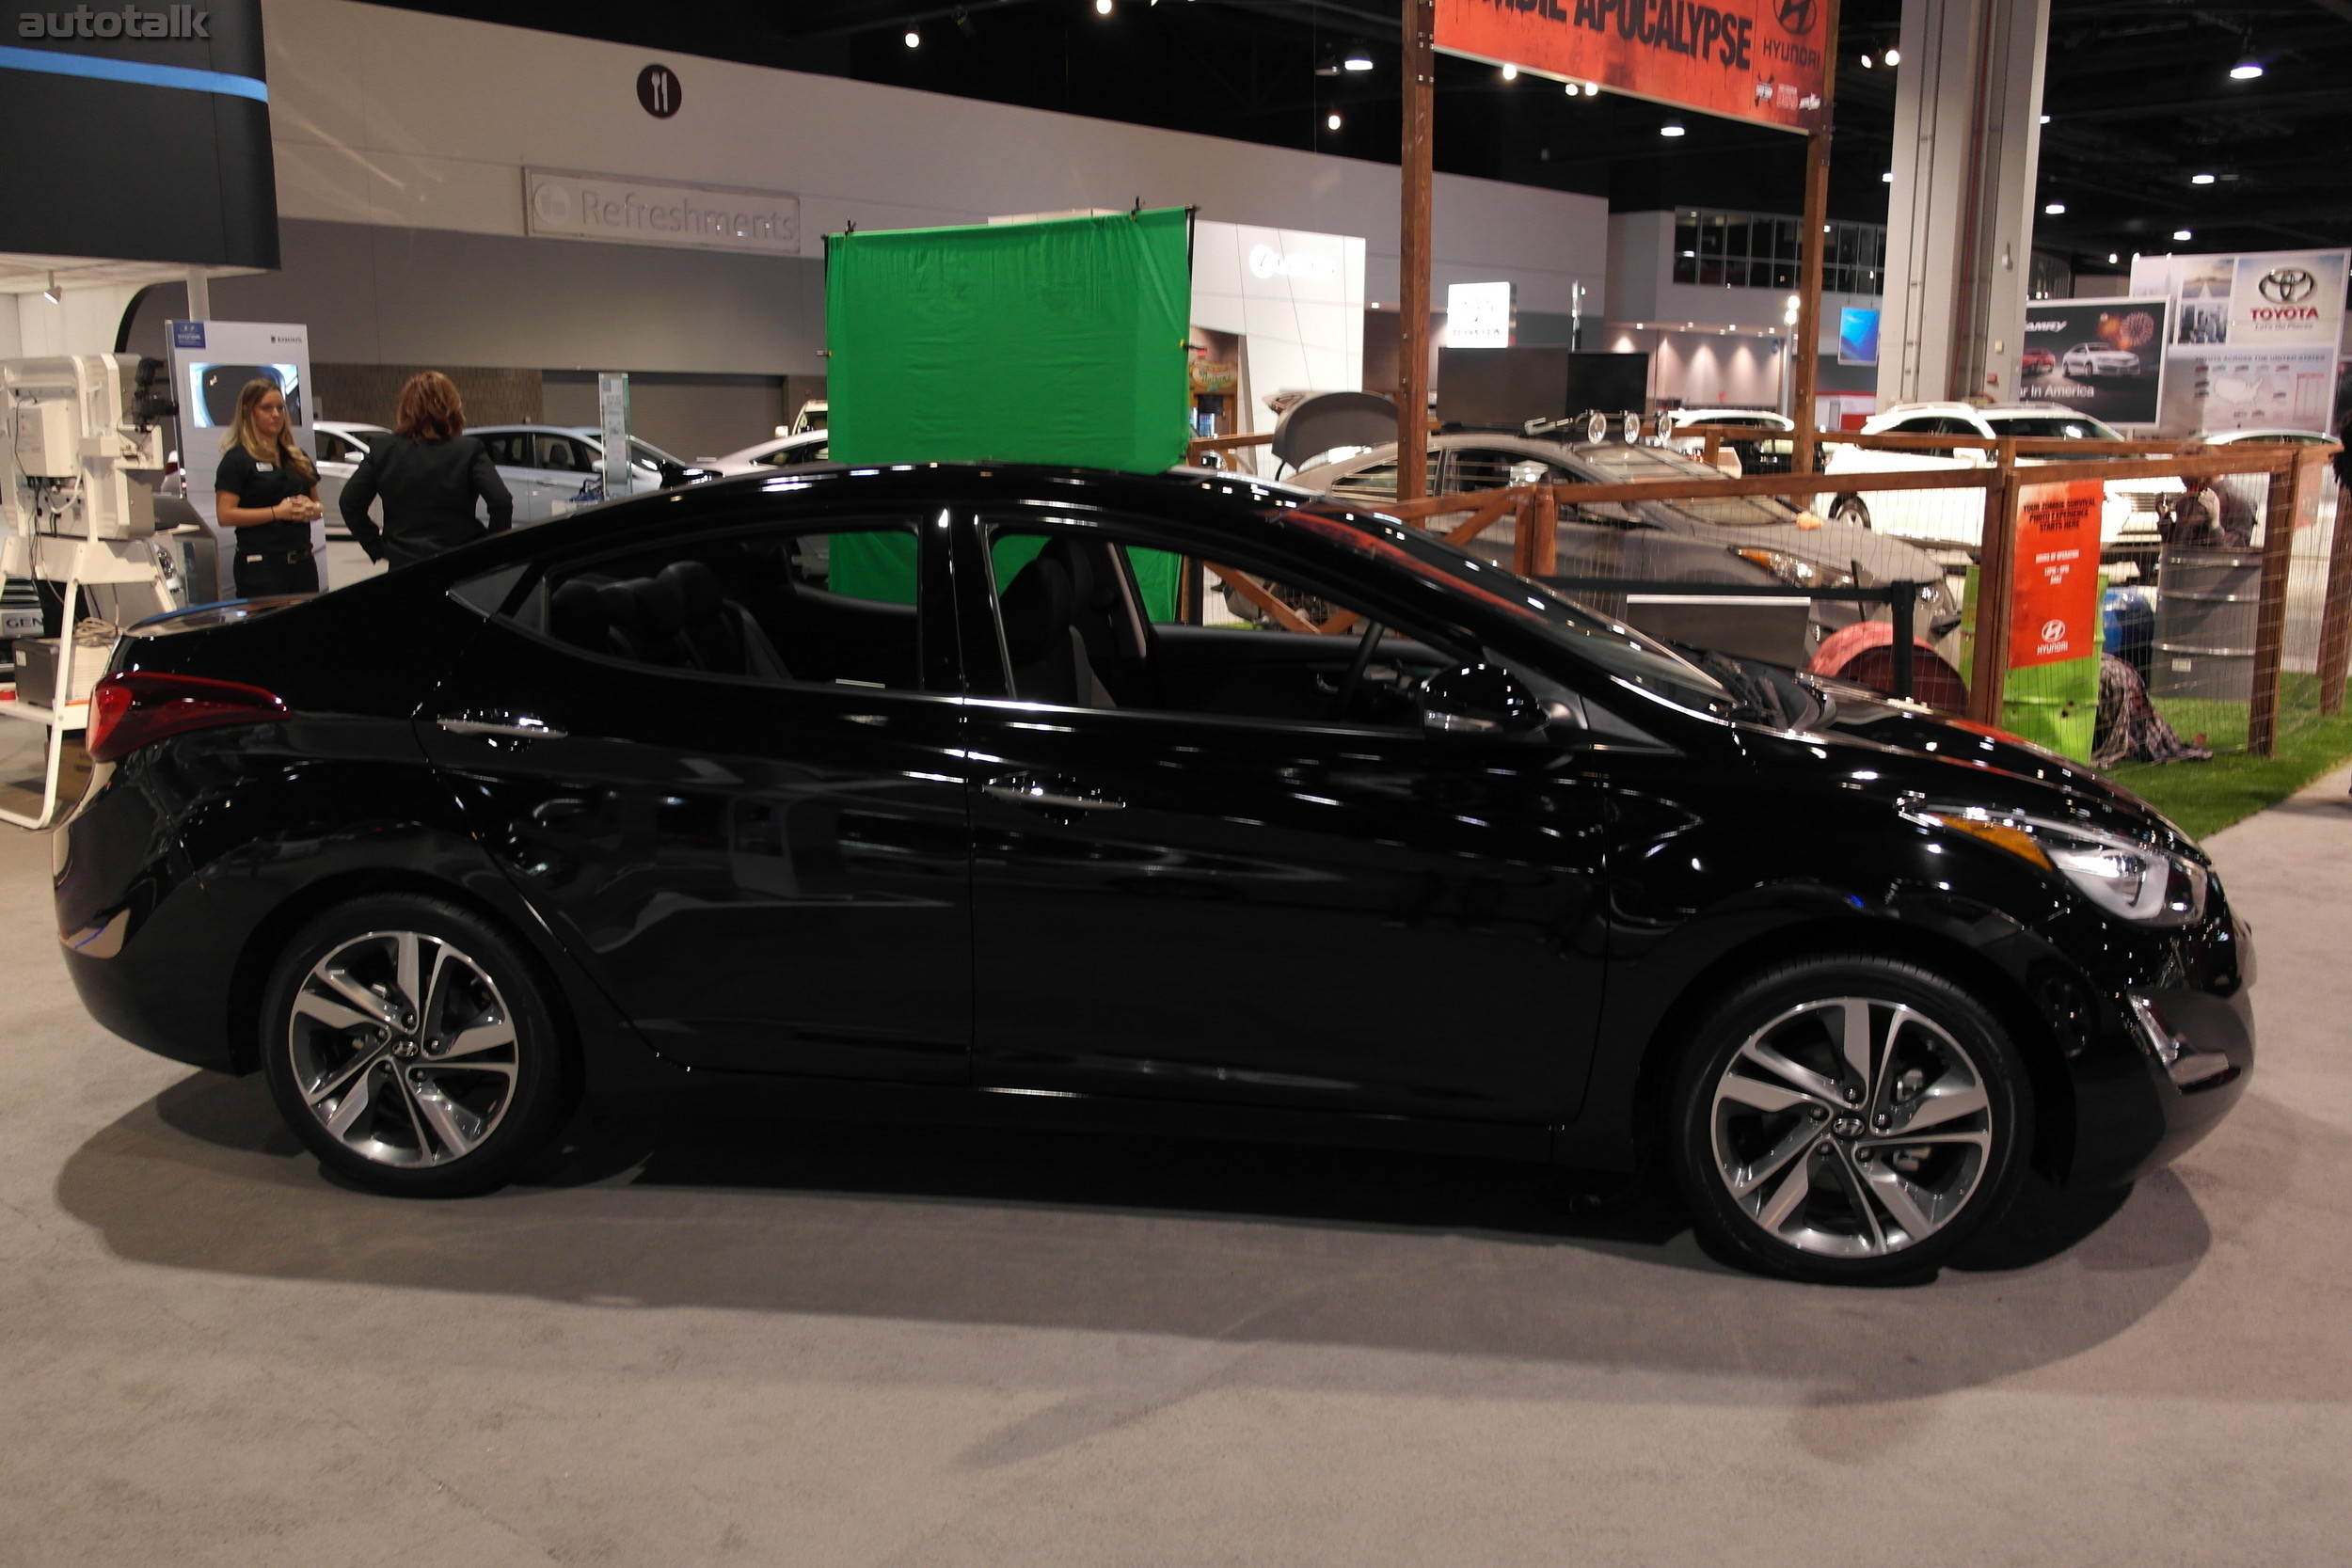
(265, 468)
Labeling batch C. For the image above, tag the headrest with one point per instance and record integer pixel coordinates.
(1085, 590)
(576, 615)
(697, 586)
(1035, 606)
(654, 607)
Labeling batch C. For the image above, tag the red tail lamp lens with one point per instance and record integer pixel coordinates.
(138, 709)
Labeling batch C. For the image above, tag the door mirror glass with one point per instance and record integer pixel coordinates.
(1479, 699)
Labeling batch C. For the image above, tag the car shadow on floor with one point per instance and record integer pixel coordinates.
(1124, 1234)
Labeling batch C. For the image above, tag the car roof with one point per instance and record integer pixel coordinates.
(341, 426)
(2281, 433)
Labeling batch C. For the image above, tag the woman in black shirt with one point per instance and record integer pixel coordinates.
(429, 473)
(267, 492)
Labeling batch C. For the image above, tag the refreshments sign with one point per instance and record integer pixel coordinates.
(1758, 60)
(2055, 607)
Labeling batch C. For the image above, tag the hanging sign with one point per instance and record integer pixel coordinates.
(2055, 606)
(1757, 60)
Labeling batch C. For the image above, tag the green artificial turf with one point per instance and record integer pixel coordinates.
(2207, 796)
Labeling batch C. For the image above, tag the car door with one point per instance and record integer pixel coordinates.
(510, 454)
(566, 472)
(725, 768)
(1192, 881)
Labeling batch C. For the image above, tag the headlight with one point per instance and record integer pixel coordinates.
(2128, 878)
(1795, 571)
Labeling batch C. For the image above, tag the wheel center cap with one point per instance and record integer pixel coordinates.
(405, 1049)
(1847, 1127)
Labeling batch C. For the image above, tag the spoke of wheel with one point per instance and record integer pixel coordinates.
(1855, 1041)
(1799, 1140)
(405, 947)
(1894, 1192)
(1795, 1072)
(1904, 1140)
(333, 1014)
(416, 1120)
(435, 1108)
(482, 1037)
(1933, 1109)
(357, 995)
(1858, 1194)
(1760, 1094)
(355, 1101)
(503, 1069)
(1786, 1197)
(350, 1070)
(435, 995)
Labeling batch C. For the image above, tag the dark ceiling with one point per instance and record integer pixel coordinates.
(2138, 94)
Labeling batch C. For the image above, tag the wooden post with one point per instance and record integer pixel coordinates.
(1805, 346)
(1418, 76)
(2271, 612)
(1534, 533)
(1996, 581)
(2335, 617)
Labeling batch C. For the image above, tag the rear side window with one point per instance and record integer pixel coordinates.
(509, 449)
(566, 454)
(1474, 469)
(825, 604)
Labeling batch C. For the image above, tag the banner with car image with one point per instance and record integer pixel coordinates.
(2103, 357)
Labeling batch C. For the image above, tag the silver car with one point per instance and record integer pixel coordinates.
(1736, 539)
(341, 447)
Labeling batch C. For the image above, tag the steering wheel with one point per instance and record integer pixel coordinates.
(1364, 646)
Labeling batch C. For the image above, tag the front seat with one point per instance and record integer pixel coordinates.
(1048, 654)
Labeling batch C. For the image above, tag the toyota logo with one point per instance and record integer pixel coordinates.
(1796, 16)
(2287, 285)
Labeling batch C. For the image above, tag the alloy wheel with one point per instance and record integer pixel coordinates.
(1851, 1127)
(402, 1049)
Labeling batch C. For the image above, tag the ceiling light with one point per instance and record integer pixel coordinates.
(1670, 130)
(1893, 57)
(2200, 179)
(1592, 89)
(1866, 62)
(1331, 121)
(2045, 120)
(2183, 234)
(914, 39)
(1359, 58)
(1887, 178)
(2246, 70)
(2055, 208)
(1510, 73)
(1101, 8)
(2110, 258)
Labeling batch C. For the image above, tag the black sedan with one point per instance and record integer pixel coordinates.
(943, 792)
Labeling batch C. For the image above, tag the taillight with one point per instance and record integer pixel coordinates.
(138, 709)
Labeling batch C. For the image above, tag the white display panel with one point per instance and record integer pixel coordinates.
(210, 363)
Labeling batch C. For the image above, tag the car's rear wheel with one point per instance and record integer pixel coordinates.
(1850, 511)
(1849, 1120)
(411, 1046)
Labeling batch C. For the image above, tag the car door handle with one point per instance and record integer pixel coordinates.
(1036, 792)
(521, 726)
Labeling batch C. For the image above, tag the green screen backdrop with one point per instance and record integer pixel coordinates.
(1060, 342)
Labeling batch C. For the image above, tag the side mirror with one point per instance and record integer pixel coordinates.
(1479, 700)
(672, 475)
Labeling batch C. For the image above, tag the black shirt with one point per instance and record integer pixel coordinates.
(429, 489)
(261, 486)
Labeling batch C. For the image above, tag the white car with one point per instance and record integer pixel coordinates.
(2089, 359)
(1768, 453)
(341, 447)
(1957, 516)
(552, 469)
(780, 451)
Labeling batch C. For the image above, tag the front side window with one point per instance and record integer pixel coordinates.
(566, 454)
(827, 604)
(508, 449)
(2072, 427)
(1475, 469)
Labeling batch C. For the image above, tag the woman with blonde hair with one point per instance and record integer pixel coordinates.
(267, 492)
(430, 473)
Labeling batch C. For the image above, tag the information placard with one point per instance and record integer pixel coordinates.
(1757, 60)
(2055, 608)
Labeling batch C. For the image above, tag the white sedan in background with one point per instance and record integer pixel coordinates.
(341, 447)
(2089, 359)
(1957, 516)
(780, 451)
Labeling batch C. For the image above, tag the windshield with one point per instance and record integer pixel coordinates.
(1622, 464)
(2072, 427)
(1617, 648)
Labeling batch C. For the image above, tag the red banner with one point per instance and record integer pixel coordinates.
(1749, 59)
(2056, 602)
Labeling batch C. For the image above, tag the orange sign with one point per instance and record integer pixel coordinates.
(2054, 611)
(1750, 59)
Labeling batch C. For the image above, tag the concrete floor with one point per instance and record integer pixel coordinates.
(816, 1347)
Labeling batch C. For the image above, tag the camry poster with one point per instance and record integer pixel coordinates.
(1750, 59)
(2103, 357)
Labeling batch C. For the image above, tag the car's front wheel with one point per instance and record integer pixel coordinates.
(411, 1046)
(1849, 1120)
(1850, 511)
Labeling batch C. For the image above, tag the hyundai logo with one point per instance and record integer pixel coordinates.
(1796, 16)
(2286, 285)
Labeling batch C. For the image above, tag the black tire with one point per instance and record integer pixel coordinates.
(1825, 1187)
(440, 1085)
(1850, 511)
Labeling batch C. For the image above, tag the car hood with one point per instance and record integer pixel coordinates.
(1953, 761)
